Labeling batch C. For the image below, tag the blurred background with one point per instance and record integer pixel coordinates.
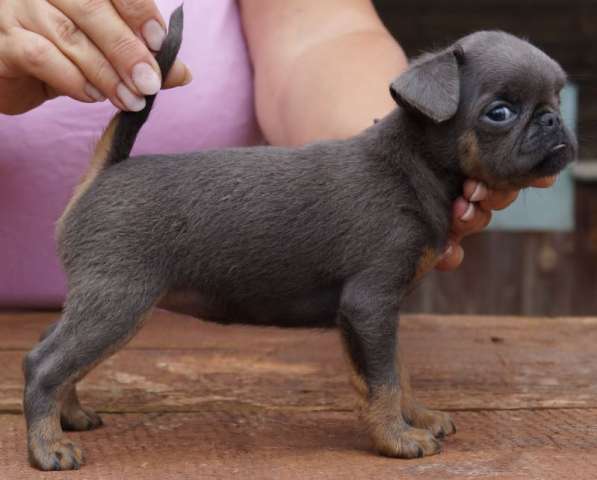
(540, 256)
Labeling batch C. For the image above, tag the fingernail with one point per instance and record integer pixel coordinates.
(131, 101)
(154, 34)
(479, 193)
(448, 251)
(94, 93)
(469, 213)
(146, 79)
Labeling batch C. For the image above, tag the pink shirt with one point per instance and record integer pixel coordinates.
(45, 151)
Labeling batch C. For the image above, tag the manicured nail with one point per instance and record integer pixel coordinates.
(131, 101)
(154, 34)
(479, 193)
(469, 213)
(146, 79)
(448, 251)
(94, 93)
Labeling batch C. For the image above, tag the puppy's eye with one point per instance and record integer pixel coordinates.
(500, 113)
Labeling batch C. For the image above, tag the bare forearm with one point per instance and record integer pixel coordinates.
(319, 79)
(335, 98)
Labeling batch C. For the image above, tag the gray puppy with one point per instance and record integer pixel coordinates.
(329, 234)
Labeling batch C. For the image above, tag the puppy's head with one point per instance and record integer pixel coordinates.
(490, 106)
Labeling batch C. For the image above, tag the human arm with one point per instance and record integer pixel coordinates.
(322, 68)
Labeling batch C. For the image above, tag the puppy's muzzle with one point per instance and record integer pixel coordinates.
(560, 146)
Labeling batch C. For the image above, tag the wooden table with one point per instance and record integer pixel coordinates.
(188, 399)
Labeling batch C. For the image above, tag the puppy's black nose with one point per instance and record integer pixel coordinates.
(549, 120)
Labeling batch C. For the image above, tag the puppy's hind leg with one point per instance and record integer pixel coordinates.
(73, 415)
(98, 319)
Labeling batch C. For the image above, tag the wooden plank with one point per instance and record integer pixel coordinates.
(211, 401)
(229, 442)
(181, 364)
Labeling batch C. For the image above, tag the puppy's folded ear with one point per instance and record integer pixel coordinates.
(431, 86)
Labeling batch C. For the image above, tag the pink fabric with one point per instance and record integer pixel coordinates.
(44, 152)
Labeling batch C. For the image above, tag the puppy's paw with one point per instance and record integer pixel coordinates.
(440, 424)
(61, 454)
(405, 442)
(80, 419)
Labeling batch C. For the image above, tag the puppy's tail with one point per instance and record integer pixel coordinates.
(119, 137)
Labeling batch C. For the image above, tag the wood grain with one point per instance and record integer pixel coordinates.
(188, 399)
(457, 363)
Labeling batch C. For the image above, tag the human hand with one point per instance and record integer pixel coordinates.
(472, 213)
(88, 50)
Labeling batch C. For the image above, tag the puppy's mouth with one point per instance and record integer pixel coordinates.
(558, 147)
(556, 159)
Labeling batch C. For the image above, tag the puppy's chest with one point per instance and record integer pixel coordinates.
(435, 215)
(427, 261)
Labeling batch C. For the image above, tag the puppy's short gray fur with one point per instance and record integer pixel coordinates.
(332, 233)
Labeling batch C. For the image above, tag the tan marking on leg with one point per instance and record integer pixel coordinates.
(95, 167)
(391, 435)
(405, 386)
(356, 379)
(438, 423)
(75, 417)
(49, 449)
(359, 384)
(382, 413)
(44, 430)
(415, 414)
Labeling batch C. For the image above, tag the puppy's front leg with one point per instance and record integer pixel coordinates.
(367, 319)
(415, 413)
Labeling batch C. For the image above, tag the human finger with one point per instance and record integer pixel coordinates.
(34, 55)
(124, 50)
